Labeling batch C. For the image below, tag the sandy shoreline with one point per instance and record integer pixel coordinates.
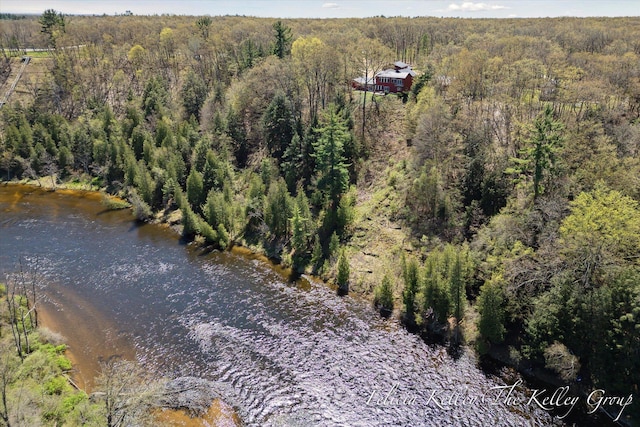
(47, 320)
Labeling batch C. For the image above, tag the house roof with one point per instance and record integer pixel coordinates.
(400, 64)
(397, 74)
(360, 80)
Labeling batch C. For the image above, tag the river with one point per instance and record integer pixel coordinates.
(280, 352)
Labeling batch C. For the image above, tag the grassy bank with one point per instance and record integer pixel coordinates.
(36, 385)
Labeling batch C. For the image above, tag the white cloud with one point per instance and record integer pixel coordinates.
(468, 6)
(330, 5)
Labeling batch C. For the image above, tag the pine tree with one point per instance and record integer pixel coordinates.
(457, 288)
(298, 237)
(278, 209)
(52, 23)
(213, 172)
(384, 297)
(144, 183)
(195, 190)
(334, 245)
(331, 170)
(343, 273)
(278, 125)
(539, 154)
(194, 93)
(411, 286)
(317, 255)
(217, 210)
(155, 97)
(282, 42)
(236, 131)
(490, 300)
(292, 159)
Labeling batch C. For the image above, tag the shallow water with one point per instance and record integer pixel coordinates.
(280, 352)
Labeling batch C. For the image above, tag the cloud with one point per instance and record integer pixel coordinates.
(468, 6)
(330, 5)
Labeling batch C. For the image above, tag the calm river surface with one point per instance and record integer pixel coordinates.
(281, 353)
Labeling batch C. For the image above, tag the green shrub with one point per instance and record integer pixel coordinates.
(63, 363)
(113, 203)
(383, 299)
(69, 403)
(55, 385)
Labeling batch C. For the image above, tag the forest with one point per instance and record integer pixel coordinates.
(495, 204)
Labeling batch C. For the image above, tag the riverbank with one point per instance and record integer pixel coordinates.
(48, 321)
(35, 367)
(85, 369)
(83, 375)
(147, 233)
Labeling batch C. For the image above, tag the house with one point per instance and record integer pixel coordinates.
(358, 83)
(392, 80)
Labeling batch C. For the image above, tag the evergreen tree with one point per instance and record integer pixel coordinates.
(164, 135)
(132, 119)
(138, 137)
(238, 134)
(195, 190)
(282, 42)
(301, 229)
(298, 237)
(130, 168)
(334, 245)
(190, 223)
(52, 23)
(331, 170)
(317, 254)
(411, 286)
(155, 97)
(457, 281)
(539, 155)
(278, 209)
(491, 309)
(24, 145)
(292, 159)
(343, 273)
(250, 52)
(144, 183)
(254, 203)
(383, 298)
(278, 125)
(217, 210)
(436, 285)
(194, 93)
(214, 173)
(204, 24)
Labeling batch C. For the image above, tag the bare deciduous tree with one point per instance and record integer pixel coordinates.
(128, 392)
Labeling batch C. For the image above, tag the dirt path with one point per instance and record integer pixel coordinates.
(16, 78)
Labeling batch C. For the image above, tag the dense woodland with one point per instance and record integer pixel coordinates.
(511, 170)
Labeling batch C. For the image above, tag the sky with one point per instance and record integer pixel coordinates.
(335, 8)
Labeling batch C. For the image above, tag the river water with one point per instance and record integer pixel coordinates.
(280, 352)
